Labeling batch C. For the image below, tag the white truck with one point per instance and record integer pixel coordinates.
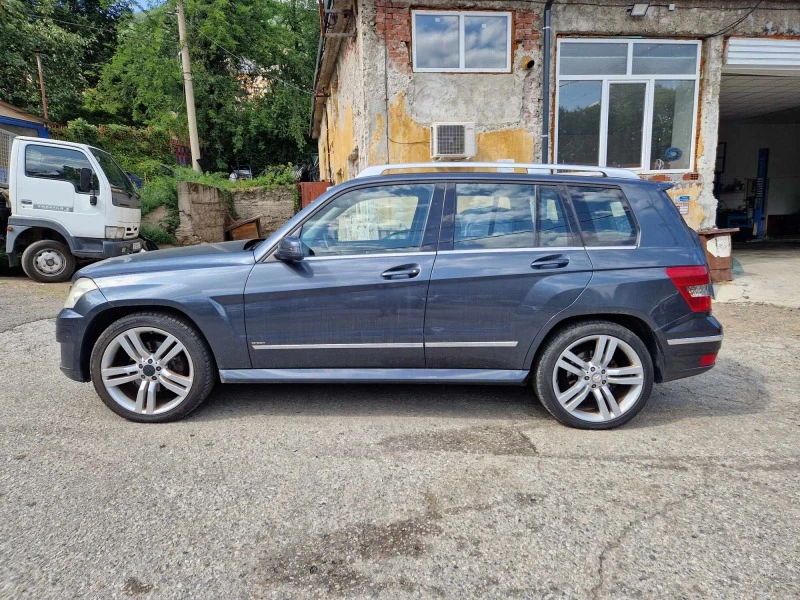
(63, 201)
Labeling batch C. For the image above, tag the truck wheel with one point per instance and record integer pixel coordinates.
(594, 375)
(48, 261)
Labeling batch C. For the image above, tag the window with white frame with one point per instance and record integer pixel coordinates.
(470, 41)
(627, 103)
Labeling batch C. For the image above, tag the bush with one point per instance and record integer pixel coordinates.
(158, 235)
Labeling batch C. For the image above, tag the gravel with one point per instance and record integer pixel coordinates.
(398, 491)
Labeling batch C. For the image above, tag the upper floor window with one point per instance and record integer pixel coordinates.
(469, 41)
(627, 103)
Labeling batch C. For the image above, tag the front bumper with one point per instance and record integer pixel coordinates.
(683, 347)
(97, 248)
(72, 327)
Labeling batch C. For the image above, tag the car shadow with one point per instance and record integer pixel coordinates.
(731, 388)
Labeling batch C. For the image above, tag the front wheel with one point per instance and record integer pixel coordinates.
(594, 375)
(48, 261)
(152, 367)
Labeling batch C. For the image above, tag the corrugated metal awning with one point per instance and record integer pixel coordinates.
(765, 56)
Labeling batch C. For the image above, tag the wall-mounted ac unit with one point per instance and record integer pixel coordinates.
(453, 140)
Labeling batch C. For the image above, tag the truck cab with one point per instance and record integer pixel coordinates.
(66, 201)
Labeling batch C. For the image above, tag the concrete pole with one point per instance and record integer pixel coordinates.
(41, 84)
(194, 141)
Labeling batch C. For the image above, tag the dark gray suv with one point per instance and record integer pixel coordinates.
(590, 288)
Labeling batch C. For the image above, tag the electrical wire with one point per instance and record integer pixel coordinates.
(735, 23)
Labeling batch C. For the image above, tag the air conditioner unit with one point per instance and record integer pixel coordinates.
(452, 140)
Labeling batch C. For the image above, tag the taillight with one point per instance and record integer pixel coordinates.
(694, 285)
(708, 359)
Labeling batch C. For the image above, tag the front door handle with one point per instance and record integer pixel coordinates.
(551, 261)
(401, 272)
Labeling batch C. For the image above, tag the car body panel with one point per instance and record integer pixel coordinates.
(238, 297)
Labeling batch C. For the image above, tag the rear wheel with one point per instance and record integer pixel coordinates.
(152, 367)
(594, 375)
(48, 261)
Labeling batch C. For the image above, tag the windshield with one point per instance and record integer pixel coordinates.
(116, 176)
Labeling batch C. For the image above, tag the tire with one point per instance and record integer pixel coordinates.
(48, 261)
(605, 355)
(172, 359)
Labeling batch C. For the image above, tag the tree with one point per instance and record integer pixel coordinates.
(252, 63)
(23, 32)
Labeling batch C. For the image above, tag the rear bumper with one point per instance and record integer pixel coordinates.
(684, 346)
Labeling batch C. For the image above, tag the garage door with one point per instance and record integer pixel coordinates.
(762, 56)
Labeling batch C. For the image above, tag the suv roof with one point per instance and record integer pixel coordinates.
(501, 167)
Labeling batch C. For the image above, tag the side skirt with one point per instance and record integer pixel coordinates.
(482, 376)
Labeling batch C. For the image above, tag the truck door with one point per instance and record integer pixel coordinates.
(47, 182)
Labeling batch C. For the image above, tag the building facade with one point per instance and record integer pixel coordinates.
(633, 85)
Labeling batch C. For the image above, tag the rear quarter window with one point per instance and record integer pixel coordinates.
(604, 216)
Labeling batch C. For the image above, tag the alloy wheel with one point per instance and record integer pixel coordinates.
(598, 378)
(147, 370)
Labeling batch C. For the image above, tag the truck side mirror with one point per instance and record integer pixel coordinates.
(85, 185)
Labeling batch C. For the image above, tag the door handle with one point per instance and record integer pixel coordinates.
(26, 202)
(551, 261)
(401, 272)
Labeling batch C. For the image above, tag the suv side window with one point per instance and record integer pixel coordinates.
(604, 216)
(387, 218)
(49, 162)
(494, 215)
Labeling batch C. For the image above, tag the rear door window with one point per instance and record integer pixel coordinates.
(494, 215)
(552, 226)
(604, 216)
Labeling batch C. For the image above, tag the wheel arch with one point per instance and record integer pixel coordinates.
(634, 323)
(26, 231)
(105, 318)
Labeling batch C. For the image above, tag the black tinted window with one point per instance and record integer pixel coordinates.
(55, 163)
(604, 216)
(553, 228)
(494, 215)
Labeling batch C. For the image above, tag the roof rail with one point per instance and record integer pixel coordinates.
(506, 167)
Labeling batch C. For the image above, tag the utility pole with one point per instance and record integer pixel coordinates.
(41, 83)
(194, 141)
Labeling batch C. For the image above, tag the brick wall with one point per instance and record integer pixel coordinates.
(393, 22)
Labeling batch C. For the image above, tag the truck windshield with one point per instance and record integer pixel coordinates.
(116, 176)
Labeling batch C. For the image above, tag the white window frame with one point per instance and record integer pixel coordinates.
(630, 77)
(461, 37)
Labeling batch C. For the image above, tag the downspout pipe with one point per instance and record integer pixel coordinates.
(546, 85)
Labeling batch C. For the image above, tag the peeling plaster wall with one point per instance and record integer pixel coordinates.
(383, 110)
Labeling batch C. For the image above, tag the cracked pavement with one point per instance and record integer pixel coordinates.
(398, 492)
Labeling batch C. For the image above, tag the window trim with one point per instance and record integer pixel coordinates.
(630, 77)
(461, 49)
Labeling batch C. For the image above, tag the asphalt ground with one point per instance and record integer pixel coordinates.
(322, 491)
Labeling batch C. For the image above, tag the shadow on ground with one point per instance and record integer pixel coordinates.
(731, 388)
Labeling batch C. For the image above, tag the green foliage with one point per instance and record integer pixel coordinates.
(140, 150)
(252, 61)
(75, 38)
(276, 176)
(158, 235)
(160, 191)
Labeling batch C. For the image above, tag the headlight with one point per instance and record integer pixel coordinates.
(115, 233)
(78, 289)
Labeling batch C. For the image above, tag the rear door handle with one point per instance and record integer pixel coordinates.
(551, 261)
(401, 272)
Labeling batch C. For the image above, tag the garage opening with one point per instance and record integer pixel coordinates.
(757, 179)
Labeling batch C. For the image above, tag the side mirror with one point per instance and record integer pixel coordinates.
(290, 249)
(85, 185)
